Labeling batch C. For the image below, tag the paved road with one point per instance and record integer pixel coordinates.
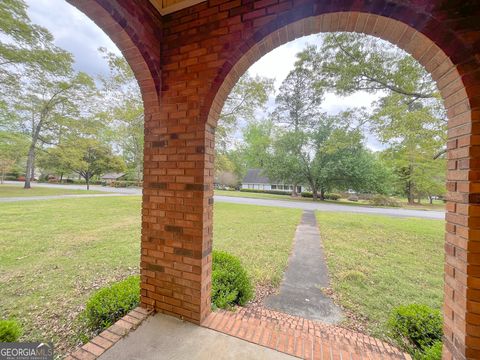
(301, 289)
(304, 205)
(440, 215)
(54, 197)
(131, 191)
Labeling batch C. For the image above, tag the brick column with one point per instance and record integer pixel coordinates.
(462, 241)
(177, 206)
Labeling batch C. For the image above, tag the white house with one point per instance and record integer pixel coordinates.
(256, 180)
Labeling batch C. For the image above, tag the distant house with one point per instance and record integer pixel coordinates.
(256, 180)
(111, 177)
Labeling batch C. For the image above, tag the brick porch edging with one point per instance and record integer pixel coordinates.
(300, 337)
(109, 337)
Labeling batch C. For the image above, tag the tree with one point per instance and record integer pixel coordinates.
(124, 112)
(89, 157)
(41, 92)
(416, 135)
(298, 103)
(327, 156)
(12, 146)
(297, 107)
(54, 161)
(24, 46)
(408, 117)
(351, 62)
(48, 104)
(244, 103)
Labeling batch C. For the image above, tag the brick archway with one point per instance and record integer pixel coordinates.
(456, 102)
(186, 63)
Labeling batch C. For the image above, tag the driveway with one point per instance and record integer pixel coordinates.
(304, 205)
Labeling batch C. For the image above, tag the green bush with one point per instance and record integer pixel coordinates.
(416, 327)
(109, 304)
(382, 200)
(10, 331)
(275, 192)
(332, 196)
(230, 283)
(328, 196)
(126, 183)
(433, 352)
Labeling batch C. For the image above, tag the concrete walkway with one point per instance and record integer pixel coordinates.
(300, 291)
(165, 337)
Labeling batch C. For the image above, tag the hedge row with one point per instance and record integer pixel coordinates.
(275, 192)
(126, 183)
(327, 196)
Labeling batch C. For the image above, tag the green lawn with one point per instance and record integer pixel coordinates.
(437, 204)
(55, 253)
(19, 191)
(379, 262)
(261, 236)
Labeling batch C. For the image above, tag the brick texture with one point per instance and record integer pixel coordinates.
(300, 337)
(107, 338)
(188, 61)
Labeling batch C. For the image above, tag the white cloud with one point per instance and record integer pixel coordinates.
(278, 62)
(73, 31)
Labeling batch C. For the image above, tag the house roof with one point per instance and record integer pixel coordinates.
(255, 176)
(112, 176)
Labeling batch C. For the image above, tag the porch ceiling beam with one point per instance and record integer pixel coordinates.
(165, 7)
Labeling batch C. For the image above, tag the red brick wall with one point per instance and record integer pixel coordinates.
(189, 60)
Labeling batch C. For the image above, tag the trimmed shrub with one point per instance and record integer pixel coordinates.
(433, 352)
(382, 200)
(274, 192)
(332, 196)
(353, 198)
(328, 196)
(10, 331)
(126, 183)
(416, 327)
(110, 303)
(230, 283)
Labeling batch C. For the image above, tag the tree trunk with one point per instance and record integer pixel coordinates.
(294, 191)
(322, 194)
(410, 196)
(431, 199)
(28, 171)
(32, 172)
(87, 179)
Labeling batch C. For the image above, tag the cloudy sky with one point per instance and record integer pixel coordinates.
(76, 33)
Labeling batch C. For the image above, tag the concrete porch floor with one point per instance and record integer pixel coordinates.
(165, 337)
(244, 334)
